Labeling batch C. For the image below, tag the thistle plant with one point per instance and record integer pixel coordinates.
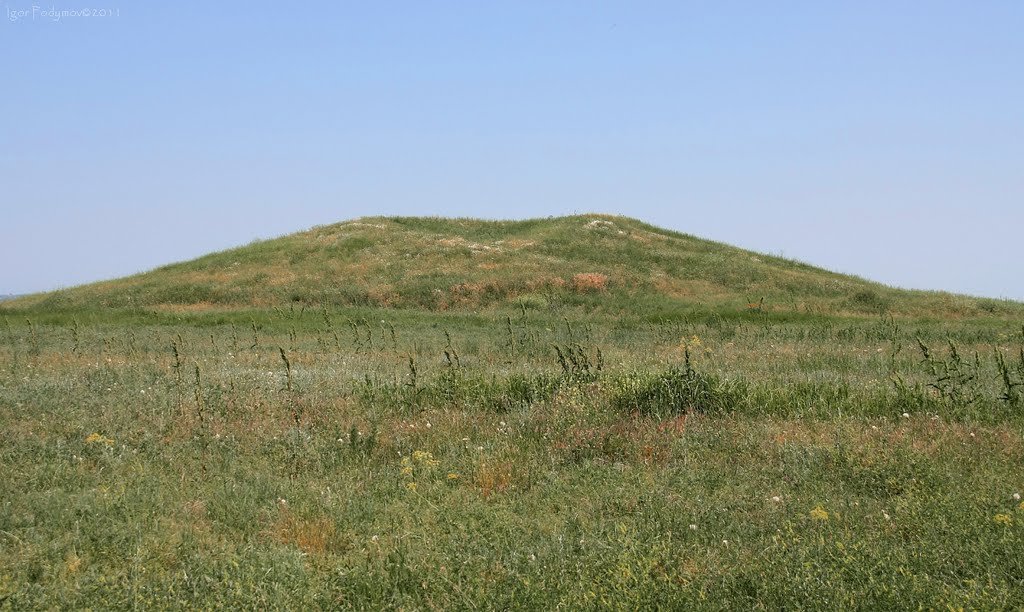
(357, 340)
(296, 410)
(200, 407)
(287, 369)
(413, 375)
(576, 362)
(176, 366)
(33, 337)
(13, 345)
(201, 413)
(329, 328)
(511, 339)
(450, 354)
(1010, 393)
(955, 379)
(369, 335)
(76, 339)
(413, 384)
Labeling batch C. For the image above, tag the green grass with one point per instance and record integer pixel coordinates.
(777, 470)
(529, 446)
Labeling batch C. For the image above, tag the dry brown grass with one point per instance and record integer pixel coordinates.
(516, 243)
(207, 276)
(197, 307)
(688, 289)
(494, 477)
(314, 536)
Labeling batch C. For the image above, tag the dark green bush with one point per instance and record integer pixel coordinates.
(672, 392)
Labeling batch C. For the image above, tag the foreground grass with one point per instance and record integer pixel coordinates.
(337, 459)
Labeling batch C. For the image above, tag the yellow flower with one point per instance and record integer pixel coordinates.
(74, 562)
(411, 486)
(819, 514)
(425, 458)
(1002, 519)
(420, 458)
(453, 476)
(1020, 506)
(95, 438)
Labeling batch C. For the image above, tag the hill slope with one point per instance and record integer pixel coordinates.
(613, 263)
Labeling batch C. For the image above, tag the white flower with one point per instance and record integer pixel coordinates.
(777, 499)
(906, 415)
(1016, 497)
(693, 527)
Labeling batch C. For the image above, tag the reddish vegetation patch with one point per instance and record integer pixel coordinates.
(383, 295)
(676, 426)
(643, 441)
(472, 293)
(589, 281)
(467, 294)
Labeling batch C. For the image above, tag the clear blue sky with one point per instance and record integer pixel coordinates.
(884, 139)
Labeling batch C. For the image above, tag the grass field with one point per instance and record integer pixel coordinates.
(577, 446)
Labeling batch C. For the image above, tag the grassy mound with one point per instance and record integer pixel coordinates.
(613, 264)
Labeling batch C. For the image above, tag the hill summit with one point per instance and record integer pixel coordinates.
(594, 261)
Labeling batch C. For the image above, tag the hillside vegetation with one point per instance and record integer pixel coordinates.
(576, 413)
(600, 262)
